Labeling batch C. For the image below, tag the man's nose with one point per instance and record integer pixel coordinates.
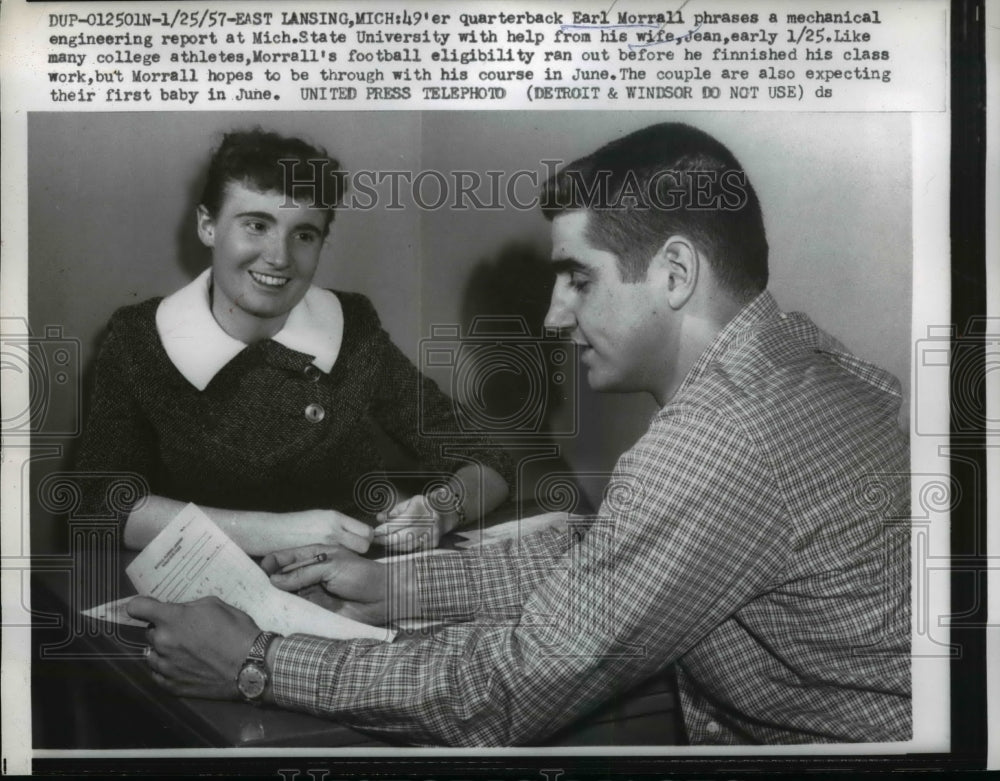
(560, 316)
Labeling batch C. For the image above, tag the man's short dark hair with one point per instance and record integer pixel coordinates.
(269, 162)
(667, 179)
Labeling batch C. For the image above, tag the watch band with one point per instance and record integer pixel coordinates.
(253, 675)
(450, 500)
(259, 647)
(460, 512)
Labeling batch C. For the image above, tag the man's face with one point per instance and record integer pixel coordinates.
(264, 257)
(620, 327)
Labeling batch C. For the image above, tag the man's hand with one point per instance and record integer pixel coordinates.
(342, 581)
(196, 649)
(413, 524)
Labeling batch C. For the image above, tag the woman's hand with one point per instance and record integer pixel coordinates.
(413, 524)
(333, 577)
(325, 527)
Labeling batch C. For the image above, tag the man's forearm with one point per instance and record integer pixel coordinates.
(480, 683)
(492, 581)
(402, 597)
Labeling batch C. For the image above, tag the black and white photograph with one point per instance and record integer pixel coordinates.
(560, 389)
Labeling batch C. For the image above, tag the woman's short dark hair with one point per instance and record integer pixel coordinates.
(667, 179)
(269, 162)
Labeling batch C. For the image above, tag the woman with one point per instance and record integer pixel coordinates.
(257, 395)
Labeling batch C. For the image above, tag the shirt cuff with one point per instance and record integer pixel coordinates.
(448, 586)
(299, 667)
(490, 581)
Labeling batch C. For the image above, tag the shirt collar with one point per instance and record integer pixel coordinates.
(736, 331)
(199, 348)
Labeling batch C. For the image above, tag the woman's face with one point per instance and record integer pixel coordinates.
(265, 250)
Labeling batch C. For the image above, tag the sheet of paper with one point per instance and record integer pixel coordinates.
(193, 558)
(415, 555)
(114, 612)
(519, 527)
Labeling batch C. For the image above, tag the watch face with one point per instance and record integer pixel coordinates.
(251, 681)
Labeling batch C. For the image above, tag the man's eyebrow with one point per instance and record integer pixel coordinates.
(258, 215)
(567, 265)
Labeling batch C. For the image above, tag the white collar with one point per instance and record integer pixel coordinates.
(199, 348)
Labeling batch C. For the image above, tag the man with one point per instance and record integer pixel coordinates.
(754, 537)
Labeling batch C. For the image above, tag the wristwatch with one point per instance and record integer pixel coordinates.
(448, 500)
(251, 680)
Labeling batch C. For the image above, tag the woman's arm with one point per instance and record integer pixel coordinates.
(421, 521)
(258, 533)
(483, 489)
(412, 410)
(119, 445)
(117, 451)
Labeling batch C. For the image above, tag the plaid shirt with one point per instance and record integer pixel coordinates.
(755, 537)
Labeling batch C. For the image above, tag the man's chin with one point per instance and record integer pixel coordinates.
(600, 382)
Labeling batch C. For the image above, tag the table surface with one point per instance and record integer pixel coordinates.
(646, 716)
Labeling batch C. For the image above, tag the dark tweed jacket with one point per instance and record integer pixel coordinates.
(247, 441)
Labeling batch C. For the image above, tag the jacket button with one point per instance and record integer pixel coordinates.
(312, 373)
(713, 727)
(315, 413)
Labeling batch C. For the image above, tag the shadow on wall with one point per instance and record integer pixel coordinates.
(192, 256)
(50, 537)
(513, 379)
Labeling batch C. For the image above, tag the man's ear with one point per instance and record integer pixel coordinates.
(676, 267)
(206, 226)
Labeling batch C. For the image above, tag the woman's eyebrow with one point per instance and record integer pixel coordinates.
(270, 218)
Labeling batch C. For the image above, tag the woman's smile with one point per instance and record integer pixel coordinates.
(268, 280)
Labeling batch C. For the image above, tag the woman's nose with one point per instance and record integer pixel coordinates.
(277, 253)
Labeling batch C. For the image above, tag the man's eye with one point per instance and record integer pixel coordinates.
(307, 237)
(579, 283)
(255, 226)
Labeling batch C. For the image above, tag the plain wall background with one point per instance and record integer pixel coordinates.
(111, 222)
